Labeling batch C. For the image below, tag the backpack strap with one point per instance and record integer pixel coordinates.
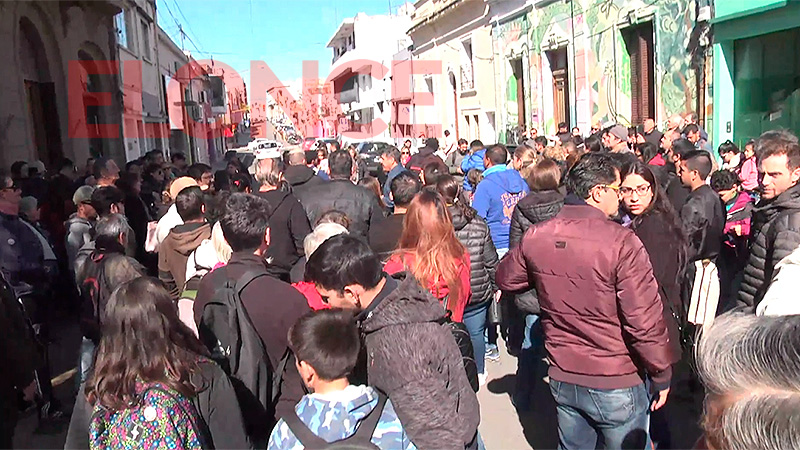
(369, 423)
(366, 428)
(303, 434)
(277, 374)
(246, 278)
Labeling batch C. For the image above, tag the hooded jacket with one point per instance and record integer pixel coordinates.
(775, 234)
(174, 252)
(301, 178)
(337, 415)
(537, 207)
(416, 361)
(288, 227)
(602, 319)
(80, 231)
(472, 161)
(495, 199)
(475, 236)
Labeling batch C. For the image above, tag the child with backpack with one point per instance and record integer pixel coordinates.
(326, 345)
(153, 385)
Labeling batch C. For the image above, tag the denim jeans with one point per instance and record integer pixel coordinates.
(85, 360)
(475, 320)
(600, 418)
(528, 362)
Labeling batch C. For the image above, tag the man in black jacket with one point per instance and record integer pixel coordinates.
(299, 176)
(359, 204)
(702, 215)
(384, 236)
(775, 227)
(273, 306)
(425, 157)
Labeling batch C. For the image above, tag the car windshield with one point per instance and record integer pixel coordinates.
(365, 147)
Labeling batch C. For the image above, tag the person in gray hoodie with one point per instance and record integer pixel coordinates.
(80, 225)
(410, 355)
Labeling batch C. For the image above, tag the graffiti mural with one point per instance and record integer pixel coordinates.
(599, 61)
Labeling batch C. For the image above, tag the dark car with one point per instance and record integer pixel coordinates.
(370, 152)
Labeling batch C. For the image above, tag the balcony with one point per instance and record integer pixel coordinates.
(467, 78)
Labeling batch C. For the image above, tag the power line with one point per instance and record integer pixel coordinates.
(188, 25)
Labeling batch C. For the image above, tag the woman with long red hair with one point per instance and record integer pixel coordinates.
(430, 251)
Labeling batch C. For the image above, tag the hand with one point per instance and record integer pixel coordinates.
(660, 401)
(737, 229)
(29, 392)
(497, 296)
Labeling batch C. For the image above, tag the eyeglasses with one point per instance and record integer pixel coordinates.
(608, 186)
(13, 187)
(405, 153)
(642, 190)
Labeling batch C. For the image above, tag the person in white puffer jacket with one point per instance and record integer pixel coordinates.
(781, 297)
(211, 253)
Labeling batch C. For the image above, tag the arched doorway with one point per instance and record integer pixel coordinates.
(452, 77)
(40, 95)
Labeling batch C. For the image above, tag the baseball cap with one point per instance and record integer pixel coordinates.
(83, 195)
(619, 132)
(180, 184)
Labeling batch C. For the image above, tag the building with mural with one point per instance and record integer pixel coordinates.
(756, 68)
(584, 62)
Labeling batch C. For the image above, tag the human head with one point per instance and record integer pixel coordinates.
(333, 146)
(143, 340)
(407, 144)
(154, 173)
(649, 125)
(750, 149)
(245, 223)
(340, 165)
(617, 138)
(638, 189)
(432, 143)
(592, 143)
(495, 155)
(544, 175)
(29, 209)
(372, 184)
(390, 158)
(475, 146)
(692, 133)
(645, 151)
(595, 179)
(695, 168)
(333, 216)
(668, 138)
(108, 200)
(676, 122)
(240, 183)
(690, 118)
(474, 176)
(343, 269)
(778, 155)
(106, 171)
(82, 198)
(446, 133)
(320, 234)
(576, 131)
(111, 233)
(136, 166)
(221, 247)
(202, 174)
(524, 157)
(322, 153)
(190, 204)
(180, 184)
(562, 127)
(178, 160)
(297, 156)
(129, 183)
(430, 173)
(10, 194)
(19, 170)
(727, 151)
(541, 143)
(403, 188)
(155, 157)
(326, 345)
(268, 175)
(750, 368)
(232, 168)
(680, 147)
(463, 146)
(726, 184)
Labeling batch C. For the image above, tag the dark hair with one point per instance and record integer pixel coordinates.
(541, 140)
(593, 143)
(474, 176)
(153, 153)
(682, 147)
(130, 164)
(105, 196)
(240, 182)
(648, 150)
(497, 154)
(432, 143)
(404, 187)
(340, 165)
(476, 145)
(431, 172)
(728, 147)
(189, 203)
(691, 128)
(562, 125)
(779, 142)
(334, 216)
(150, 170)
(245, 221)
(452, 192)
(374, 187)
(591, 170)
(143, 340)
(216, 206)
(660, 206)
(335, 144)
(126, 181)
(699, 160)
(177, 156)
(462, 141)
(392, 152)
(724, 180)
(544, 175)
(327, 340)
(65, 163)
(344, 260)
(100, 167)
(222, 181)
(197, 170)
(16, 168)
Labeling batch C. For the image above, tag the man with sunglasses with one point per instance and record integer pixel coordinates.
(604, 330)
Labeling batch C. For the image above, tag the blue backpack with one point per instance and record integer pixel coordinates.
(161, 419)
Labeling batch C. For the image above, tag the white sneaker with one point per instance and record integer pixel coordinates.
(482, 378)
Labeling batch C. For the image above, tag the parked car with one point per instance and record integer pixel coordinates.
(370, 152)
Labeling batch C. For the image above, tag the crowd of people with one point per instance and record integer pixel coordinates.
(305, 301)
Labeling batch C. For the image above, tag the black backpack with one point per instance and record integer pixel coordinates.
(360, 440)
(461, 335)
(226, 329)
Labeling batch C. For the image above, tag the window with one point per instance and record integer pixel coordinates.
(146, 40)
(121, 27)
(639, 43)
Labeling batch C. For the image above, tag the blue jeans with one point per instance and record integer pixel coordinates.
(599, 418)
(528, 362)
(475, 320)
(85, 360)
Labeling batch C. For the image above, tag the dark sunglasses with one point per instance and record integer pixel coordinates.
(13, 187)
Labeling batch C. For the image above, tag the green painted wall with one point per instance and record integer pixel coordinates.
(729, 9)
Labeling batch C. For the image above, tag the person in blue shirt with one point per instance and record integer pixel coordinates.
(473, 161)
(390, 161)
(497, 195)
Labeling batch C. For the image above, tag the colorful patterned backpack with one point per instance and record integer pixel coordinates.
(161, 419)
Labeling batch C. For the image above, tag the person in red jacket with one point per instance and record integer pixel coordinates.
(602, 319)
(429, 250)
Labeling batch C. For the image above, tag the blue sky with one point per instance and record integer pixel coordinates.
(281, 33)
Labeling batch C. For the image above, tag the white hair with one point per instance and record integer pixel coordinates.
(321, 233)
(750, 366)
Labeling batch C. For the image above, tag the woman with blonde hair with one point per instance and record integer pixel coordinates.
(429, 250)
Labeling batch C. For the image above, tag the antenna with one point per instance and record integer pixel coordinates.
(390, 7)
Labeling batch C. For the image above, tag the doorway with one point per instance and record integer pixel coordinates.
(639, 43)
(560, 70)
(516, 69)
